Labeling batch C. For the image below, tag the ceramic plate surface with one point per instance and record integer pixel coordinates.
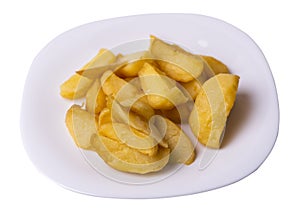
(251, 129)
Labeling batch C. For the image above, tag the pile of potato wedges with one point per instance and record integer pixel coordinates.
(134, 105)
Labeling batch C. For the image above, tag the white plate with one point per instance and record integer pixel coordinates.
(252, 127)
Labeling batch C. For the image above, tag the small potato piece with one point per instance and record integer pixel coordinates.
(216, 65)
(75, 87)
(95, 98)
(176, 62)
(104, 117)
(102, 62)
(182, 149)
(130, 69)
(178, 114)
(121, 157)
(81, 125)
(212, 107)
(161, 91)
(193, 87)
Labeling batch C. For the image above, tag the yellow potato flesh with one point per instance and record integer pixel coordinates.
(140, 107)
(193, 88)
(176, 62)
(105, 125)
(121, 114)
(216, 65)
(162, 92)
(182, 149)
(104, 117)
(98, 65)
(95, 98)
(126, 93)
(130, 69)
(112, 84)
(121, 157)
(78, 84)
(129, 136)
(116, 113)
(178, 114)
(81, 125)
(212, 107)
(75, 87)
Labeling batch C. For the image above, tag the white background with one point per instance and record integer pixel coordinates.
(271, 192)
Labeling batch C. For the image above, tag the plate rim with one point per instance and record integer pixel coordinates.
(22, 126)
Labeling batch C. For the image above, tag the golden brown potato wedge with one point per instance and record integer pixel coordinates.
(176, 62)
(126, 94)
(121, 157)
(216, 65)
(104, 116)
(102, 62)
(130, 69)
(75, 87)
(95, 98)
(212, 107)
(81, 125)
(182, 149)
(192, 87)
(112, 84)
(161, 91)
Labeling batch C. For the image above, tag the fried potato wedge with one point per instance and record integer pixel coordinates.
(79, 83)
(112, 84)
(175, 62)
(102, 62)
(81, 125)
(75, 87)
(104, 116)
(182, 149)
(212, 107)
(95, 98)
(126, 93)
(216, 65)
(130, 69)
(130, 64)
(121, 157)
(192, 87)
(133, 103)
(161, 91)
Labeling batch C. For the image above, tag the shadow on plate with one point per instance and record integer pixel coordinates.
(238, 117)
